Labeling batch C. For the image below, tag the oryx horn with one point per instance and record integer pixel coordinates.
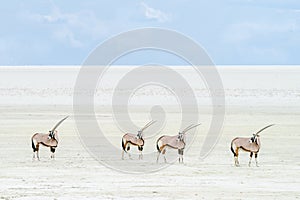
(264, 129)
(148, 124)
(59, 123)
(190, 127)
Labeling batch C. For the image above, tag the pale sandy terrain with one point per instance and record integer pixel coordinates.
(74, 174)
(33, 99)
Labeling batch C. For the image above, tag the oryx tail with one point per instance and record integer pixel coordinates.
(32, 145)
(232, 150)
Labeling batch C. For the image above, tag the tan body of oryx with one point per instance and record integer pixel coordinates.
(131, 139)
(247, 145)
(136, 140)
(173, 142)
(250, 144)
(46, 139)
(170, 141)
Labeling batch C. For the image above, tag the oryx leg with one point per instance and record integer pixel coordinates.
(158, 154)
(124, 151)
(127, 148)
(52, 149)
(162, 150)
(256, 160)
(180, 155)
(37, 146)
(251, 154)
(236, 160)
(34, 149)
(33, 155)
(37, 155)
(129, 155)
(141, 152)
(164, 153)
(123, 154)
(141, 156)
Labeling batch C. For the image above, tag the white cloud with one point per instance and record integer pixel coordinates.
(75, 28)
(151, 13)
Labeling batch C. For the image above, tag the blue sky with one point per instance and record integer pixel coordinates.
(234, 32)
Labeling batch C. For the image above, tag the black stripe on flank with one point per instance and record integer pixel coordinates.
(47, 145)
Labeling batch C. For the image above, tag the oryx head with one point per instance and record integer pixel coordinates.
(139, 135)
(52, 135)
(181, 136)
(254, 138)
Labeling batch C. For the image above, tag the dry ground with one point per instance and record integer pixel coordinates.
(74, 174)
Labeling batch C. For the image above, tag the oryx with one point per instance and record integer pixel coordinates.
(251, 145)
(173, 142)
(47, 139)
(134, 139)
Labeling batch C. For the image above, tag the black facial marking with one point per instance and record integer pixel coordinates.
(51, 134)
